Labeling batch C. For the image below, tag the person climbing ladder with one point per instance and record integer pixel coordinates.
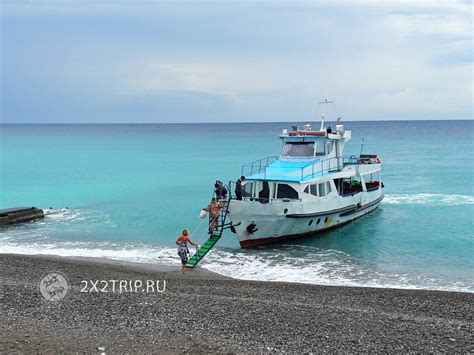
(217, 224)
(214, 209)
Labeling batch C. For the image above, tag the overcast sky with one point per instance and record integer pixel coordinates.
(228, 61)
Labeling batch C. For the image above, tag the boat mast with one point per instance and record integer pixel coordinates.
(325, 102)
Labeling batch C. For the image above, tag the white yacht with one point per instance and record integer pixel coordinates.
(309, 188)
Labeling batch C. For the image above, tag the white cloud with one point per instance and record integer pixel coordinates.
(407, 6)
(375, 58)
(228, 77)
(366, 85)
(429, 24)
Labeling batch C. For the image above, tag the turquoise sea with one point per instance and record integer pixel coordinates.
(131, 189)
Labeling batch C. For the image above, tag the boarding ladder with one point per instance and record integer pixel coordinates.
(215, 236)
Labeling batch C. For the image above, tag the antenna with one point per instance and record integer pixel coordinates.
(362, 146)
(325, 102)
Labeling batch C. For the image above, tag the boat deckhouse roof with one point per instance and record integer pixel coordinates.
(305, 155)
(288, 170)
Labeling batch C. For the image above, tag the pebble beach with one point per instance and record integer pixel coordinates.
(199, 311)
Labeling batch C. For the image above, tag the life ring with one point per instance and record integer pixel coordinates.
(378, 160)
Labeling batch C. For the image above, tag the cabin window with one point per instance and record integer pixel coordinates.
(320, 148)
(348, 186)
(286, 191)
(298, 149)
(311, 189)
(337, 183)
(264, 194)
(322, 190)
(247, 189)
(329, 147)
(328, 187)
(372, 181)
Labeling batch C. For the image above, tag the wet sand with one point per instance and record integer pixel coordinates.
(200, 311)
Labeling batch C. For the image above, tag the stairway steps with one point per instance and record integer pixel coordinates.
(202, 251)
(213, 239)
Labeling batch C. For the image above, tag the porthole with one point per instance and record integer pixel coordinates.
(310, 222)
(326, 220)
(319, 220)
(285, 211)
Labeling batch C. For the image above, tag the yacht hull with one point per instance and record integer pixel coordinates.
(260, 224)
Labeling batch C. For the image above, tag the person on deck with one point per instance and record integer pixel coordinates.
(238, 187)
(214, 209)
(183, 250)
(220, 190)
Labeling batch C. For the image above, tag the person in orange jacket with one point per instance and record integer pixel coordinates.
(183, 250)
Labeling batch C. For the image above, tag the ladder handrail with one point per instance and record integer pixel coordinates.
(211, 241)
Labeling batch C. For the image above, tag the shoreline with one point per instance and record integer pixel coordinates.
(201, 311)
(165, 268)
(202, 271)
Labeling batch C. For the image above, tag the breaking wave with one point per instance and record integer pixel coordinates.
(65, 215)
(428, 199)
(303, 264)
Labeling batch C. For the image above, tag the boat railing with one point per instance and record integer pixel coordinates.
(257, 166)
(326, 165)
(307, 171)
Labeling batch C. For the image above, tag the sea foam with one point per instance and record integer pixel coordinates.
(428, 199)
(317, 266)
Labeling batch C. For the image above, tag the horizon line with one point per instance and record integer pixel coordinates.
(234, 122)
